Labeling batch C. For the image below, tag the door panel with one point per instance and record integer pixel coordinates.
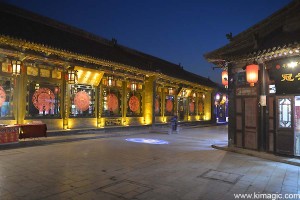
(297, 125)
(285, 125)
(271, 130)
(239, 123)
(251, 123)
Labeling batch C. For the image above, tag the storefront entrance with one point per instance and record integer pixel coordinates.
(288, 125)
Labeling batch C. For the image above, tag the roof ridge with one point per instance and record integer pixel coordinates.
(12, 9)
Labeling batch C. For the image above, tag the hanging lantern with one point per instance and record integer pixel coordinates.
(225, 78)
(183, 93)
(16, 67)
(72, 75)
(170, 91)
(110, 81)
(252, 74)
(37, 86)
(133, 86)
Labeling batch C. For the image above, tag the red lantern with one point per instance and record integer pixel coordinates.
(252, 74)
(225, 78)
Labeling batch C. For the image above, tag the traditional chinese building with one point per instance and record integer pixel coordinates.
(71, 79)
(263, 67)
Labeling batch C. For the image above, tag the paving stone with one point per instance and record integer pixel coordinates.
(112, 168)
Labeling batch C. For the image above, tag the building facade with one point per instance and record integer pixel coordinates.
(71, 79)
(263, 65)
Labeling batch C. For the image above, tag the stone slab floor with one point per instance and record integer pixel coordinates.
(112, 168)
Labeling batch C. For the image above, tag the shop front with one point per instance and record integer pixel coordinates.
(285, 86)
(87, 82)
(261, 68)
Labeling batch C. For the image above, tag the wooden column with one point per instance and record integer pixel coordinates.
(207, 105)
(163, 103)
(20, 97)
(149, 101)
(124, 102)
(65, 98)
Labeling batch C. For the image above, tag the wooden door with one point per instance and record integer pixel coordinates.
(285, 125)
(251, 124)
(239, 122)
(271, 124)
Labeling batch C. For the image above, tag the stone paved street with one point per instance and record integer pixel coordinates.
(113, 168)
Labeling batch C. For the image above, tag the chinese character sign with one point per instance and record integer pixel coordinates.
(287, 80)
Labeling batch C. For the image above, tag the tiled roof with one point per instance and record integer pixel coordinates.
(279, 31)
(21, 24)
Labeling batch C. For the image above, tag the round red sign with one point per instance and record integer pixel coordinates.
(134, 103)
(82, 100)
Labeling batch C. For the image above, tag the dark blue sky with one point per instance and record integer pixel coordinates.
(179, 31)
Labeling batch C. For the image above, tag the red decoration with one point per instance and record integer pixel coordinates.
(192, 107)
(225, 78)
(277, 66)
(156, 106)
(2, 96)
(169, 105)
(134, 103)
(112, 102)
(252, 74)
(82, 100)
(43, 100)
(9, 134)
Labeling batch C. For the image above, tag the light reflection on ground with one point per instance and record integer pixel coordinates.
(147, 141)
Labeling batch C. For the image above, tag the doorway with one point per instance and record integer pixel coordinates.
(288, 125)
(297, 125)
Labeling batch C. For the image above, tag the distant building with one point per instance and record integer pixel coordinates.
(71, 79)
(263, 64)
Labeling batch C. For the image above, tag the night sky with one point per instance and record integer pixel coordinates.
(179, 31)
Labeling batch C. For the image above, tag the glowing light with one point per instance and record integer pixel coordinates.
(252, 74)
(133, 86)
(147, 141)
(16, 67)
(170, 91)
(218, 96)
(110, 81)
(292, 64)
(225, 78)
(72, 75)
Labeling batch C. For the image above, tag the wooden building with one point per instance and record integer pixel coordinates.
(71, 79)
(263, 66)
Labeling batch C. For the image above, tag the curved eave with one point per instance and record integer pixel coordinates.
(27, 45)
